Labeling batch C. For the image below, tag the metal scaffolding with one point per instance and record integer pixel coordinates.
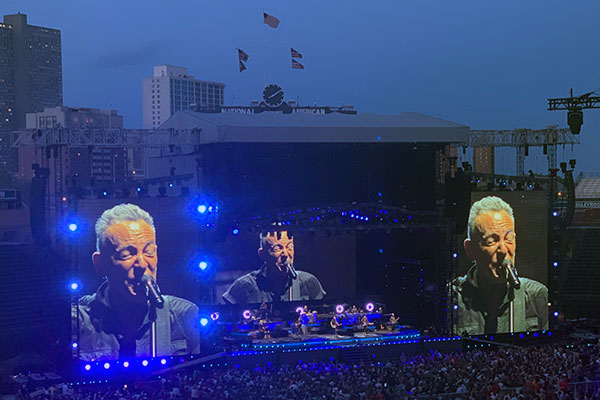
(522, 139)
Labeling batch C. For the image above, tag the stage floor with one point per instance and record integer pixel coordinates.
(311, 340)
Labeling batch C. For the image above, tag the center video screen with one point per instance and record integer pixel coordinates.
(500, 283)
(276, 266)
(112, 316)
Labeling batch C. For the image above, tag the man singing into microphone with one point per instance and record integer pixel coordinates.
(277, 279)
(484, 294)
(116, 321)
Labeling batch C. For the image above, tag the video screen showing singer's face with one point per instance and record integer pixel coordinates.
(495, 282)
(277, 279)
(115, 321)
(277, 252)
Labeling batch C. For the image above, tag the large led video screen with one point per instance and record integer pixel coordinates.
(501, 278)
(133, 255)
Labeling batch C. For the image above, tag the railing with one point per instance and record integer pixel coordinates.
(579, 388)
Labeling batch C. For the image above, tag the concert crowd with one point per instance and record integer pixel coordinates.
(537, 373)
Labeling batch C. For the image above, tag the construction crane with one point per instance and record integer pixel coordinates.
(574, 105)
(522, 139)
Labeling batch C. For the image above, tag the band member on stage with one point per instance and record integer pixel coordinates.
(365, 323)
(335, 324)
(484, 294)
(277, 279)
(116, 321)
(264, 330)
(393, 321)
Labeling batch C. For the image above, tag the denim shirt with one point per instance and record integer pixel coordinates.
(530, 307)
(253, 288)
(100, 335)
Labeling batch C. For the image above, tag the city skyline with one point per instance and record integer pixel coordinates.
(489, 66)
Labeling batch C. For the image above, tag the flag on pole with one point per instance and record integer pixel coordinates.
(295, 53)
(270, 20)
(296, 65)
(242, 66)
(243, 56)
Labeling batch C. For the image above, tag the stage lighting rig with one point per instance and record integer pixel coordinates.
(574, 107)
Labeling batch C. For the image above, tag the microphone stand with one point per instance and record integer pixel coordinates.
(511, 306)
(154, 301)
(153, 339)
(291, 275)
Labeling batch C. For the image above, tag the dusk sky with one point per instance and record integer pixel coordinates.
(486, 64)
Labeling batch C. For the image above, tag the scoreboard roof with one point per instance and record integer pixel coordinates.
(270, 127)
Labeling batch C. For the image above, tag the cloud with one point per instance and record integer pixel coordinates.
(126, 57)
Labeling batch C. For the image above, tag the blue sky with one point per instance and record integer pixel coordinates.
(487, 64)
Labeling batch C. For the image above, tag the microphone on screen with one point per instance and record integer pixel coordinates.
(513, 277)
(153, 292)
(290, 270)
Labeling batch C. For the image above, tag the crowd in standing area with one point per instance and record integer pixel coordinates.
(524, 373)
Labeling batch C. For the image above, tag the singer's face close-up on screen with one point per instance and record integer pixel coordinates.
(278, 251)
(493, 241)
(130, 254)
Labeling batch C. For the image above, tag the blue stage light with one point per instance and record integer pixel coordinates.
(201, 208)
(370, 307)
(556, 313)
(106, 365)
(170, 185)
(455, 307)
(339, 309)
(203, 321)
(202, 265)
(87, 367)
(555, 263)
(247, 314)
(554, 213)
(215, 316)
(163, 361)
(72, 227)
(126, 364)
(74, 286)
(145, 363)
(454, 255)
(235, 231)
(139, 189)
(74, 345)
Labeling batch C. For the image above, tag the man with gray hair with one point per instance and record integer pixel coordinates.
(117, 321)
(277, 279)
(484, 295)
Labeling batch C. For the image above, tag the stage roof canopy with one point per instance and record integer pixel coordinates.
(269, 127)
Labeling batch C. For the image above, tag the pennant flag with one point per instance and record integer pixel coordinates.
(297, 65)
(270, 20)
(295, 53)
(242, 55)
(242, 66)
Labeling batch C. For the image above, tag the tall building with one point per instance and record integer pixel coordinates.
(30, 77)
(483, 159)
(71, 165)
(171, 89)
